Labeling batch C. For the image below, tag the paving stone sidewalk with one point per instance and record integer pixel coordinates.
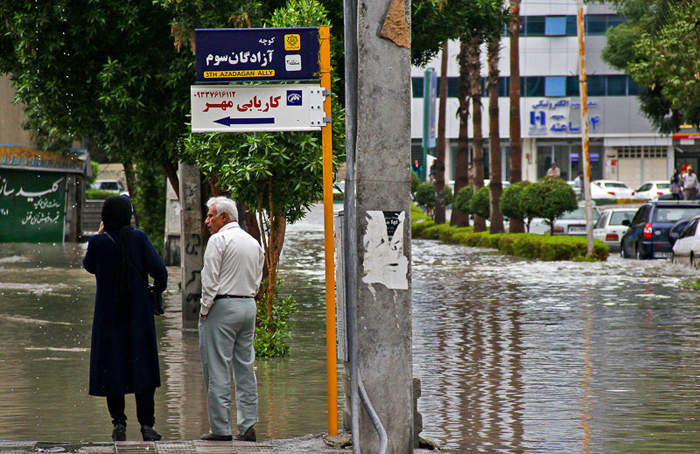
(309, 444)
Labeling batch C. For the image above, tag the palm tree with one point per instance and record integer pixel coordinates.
(516, 146)
(495, 167)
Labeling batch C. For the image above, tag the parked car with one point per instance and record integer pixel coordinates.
(570, 223)
(653, 190)
(115, 186)
(686, 249)
(648, 235)
(610, 189)
(611, 225)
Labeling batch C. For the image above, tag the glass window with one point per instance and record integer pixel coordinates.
(571, 28)
(617, 85)
(619, 216)
(632, 87)
(596, 24)
(555, 86)
(417, 85)
(596, 86)
(673, 214)
(533, 25)
(555, 26)
(452, 87)
(601, 222)
(532, 86)
(572, 87)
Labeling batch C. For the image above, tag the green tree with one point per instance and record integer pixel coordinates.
(511, 201)
(480, 203)
(278, 176)
(463, 199)
(426, 197)
(548, 198)
(658, 49)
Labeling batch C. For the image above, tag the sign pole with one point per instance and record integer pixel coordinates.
(327, 141)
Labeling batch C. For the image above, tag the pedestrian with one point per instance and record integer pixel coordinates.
(124, 350)
(417, 168)
(233, 265)
(676, 185)
(578, 181)
(690, 184)
(554, 171)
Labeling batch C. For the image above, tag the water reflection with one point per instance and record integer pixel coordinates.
(520, 356)
(514, 356)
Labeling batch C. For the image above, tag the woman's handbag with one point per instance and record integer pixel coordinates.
(157, 299)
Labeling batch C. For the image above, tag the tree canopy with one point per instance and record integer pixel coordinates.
(658, 48)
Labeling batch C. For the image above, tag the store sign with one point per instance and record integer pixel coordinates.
(254, 54)
(558, 116)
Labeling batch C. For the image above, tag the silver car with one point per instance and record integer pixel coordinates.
(686, 249)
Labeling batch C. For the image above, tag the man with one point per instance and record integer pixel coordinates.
(554, 171)
(233, 264)
(690, 184)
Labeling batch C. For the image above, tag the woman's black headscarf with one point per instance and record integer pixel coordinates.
(116, 216)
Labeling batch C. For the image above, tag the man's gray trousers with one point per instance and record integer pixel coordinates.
(226, 344)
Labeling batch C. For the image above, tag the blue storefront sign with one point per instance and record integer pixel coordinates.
(253, 54)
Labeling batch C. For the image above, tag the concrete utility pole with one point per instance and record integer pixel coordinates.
(377, 216)
(191, 243)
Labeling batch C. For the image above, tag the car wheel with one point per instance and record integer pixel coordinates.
(673, 258)
(693, 262)
(639, 254)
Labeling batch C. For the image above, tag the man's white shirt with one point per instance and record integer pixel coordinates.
(233, 264)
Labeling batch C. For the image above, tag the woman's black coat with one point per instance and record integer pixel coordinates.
(124, 353)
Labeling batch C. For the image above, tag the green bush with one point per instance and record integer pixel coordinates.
(271, 336)
(510, 203)
(463, 199)
(530, 246)
(480, 203)
(415, 182)
(547, 198)
(425, 197)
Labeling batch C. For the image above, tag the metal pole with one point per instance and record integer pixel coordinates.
(583, 88)
(350, 213)
(327, 139)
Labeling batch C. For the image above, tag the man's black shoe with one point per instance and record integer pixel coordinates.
(214, 437)
(150, 434)
(119, 432)
(249, 435)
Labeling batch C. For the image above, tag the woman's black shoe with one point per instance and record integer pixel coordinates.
(213, 437)
(150, 434)
(119, 432)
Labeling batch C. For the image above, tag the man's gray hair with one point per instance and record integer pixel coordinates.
(224, 205)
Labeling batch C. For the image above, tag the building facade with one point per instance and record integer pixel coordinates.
(623, 143)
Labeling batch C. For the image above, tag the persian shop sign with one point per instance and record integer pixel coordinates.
(254, 54)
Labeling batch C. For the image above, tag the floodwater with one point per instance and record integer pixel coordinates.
(514, 356)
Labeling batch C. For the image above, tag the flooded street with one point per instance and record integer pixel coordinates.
(514, 356)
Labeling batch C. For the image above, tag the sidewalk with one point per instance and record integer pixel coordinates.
(311, 444)
(308, 444)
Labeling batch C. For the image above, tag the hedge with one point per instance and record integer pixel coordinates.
(527, 245)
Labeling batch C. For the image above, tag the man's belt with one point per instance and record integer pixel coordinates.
(220, 297)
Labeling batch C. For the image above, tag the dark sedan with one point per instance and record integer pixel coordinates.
(648, 233)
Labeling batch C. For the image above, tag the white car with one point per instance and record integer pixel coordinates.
(610, 228)
(115, 186)
(570, 223)
(686, 249)
(610, 189)
(652, 190)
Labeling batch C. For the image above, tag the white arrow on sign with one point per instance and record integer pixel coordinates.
(250, 108)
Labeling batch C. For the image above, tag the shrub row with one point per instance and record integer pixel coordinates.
(531, 246)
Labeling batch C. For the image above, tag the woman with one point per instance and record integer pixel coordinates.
(676, 185)
(124, 353)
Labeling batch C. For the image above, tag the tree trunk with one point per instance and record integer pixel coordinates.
(474, 62)
(131, 184)
(495, 167)
(459, 217)
(171, 172)
(516, 145)
(441, 141)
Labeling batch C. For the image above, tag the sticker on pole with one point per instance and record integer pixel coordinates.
(385, 261)
(251, 108)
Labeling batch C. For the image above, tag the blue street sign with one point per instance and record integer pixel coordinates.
(252, 54)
